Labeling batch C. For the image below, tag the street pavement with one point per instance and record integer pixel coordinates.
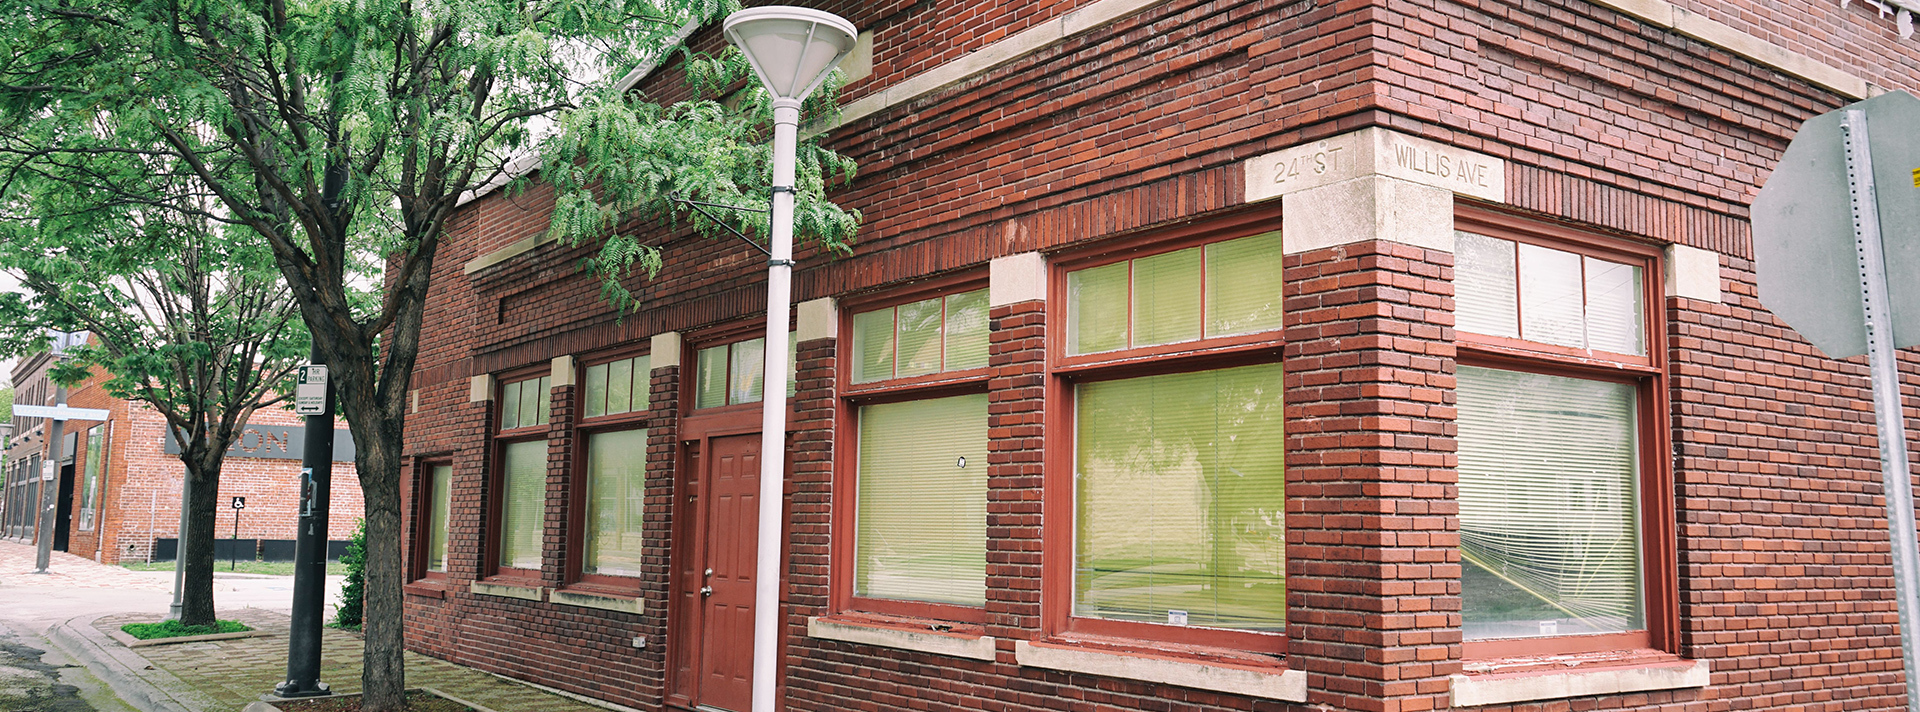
(56, 654)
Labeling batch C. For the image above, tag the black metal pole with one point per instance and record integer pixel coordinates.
(50, 486)
(310, 556)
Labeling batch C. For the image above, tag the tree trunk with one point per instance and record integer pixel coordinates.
(196, 547)
(383, 673)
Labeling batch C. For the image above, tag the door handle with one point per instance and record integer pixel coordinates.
(706, 591)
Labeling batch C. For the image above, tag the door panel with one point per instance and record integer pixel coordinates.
(732, 496)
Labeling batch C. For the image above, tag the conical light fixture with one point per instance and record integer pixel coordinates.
(791, 48)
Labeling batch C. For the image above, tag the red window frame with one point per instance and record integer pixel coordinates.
(846, 482)
(585, 428)
(496, 496)
(1067, 370)
(1648, 373)
(422, 512)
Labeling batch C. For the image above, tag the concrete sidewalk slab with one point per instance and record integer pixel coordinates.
(231, 674)
(130, 675)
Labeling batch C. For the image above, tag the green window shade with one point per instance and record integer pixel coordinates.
(616, 499)
(93, 466)
(596, 396)
(748, 374)
(873, 345)
(620, 386)
(793, 363)
(1166, 298)
(1614, 308)
(919, 326)
(921, 530)
(1487, 297)
(543, 402)
(510, 406)
(1549, 529)
(710, 377)
(1181, 499)
(440, 503)
(1097, 308)
(1244, 287)
(523, 503)
(921, 338)
(967, 325)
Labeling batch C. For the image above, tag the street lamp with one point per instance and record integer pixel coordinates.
(791, 49)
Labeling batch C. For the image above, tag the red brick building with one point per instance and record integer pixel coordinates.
(1202, 355)
(120, 480)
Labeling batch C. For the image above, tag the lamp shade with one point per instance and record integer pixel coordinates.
(791, 48)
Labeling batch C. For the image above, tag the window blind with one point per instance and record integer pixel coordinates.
(1519, 290)
(616, 501)
(1181, 499)
(921, 519)
(440, 502)
(1548, 505)
(619, 386)
(523, 503)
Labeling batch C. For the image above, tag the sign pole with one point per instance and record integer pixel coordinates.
(313, 397)
(1895, 474)
(50, 486)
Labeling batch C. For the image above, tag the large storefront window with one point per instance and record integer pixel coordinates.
(1177, 471)
(1558, 392)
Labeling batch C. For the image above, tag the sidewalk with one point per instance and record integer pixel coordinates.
(65, 570)
(229, 674)
(223, 675)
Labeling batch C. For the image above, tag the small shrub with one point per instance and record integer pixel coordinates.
(173, 629)
(354, 591)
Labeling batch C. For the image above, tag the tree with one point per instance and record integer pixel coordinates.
(187, 316)
(339, 130)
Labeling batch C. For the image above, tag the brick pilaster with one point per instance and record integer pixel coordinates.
(1015, 419)
(562, 434)
(1373, 522)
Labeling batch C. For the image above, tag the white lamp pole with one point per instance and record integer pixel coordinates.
(791, 49)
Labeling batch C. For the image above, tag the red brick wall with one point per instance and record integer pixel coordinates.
(1604, 122)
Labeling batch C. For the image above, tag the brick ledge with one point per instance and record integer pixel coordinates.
(1499, 689)
(525, 593)
(972, 647)
(1287, 685)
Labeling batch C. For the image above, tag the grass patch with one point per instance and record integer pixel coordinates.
(269, 568)
(173, 629)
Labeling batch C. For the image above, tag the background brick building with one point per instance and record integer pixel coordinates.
(1401, 151)
(135, 502)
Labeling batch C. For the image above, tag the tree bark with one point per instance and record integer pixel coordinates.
(196, 548)
(383, 674)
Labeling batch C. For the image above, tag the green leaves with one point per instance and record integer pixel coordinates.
(618, 163)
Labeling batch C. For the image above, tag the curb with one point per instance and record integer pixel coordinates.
(124, 671)
(267, 705)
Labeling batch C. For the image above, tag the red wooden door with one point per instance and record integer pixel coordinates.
(732, 522)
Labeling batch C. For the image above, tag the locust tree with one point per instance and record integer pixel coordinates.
(186, 316)
(337, 130)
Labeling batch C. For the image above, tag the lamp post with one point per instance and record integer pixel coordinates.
(791, 49)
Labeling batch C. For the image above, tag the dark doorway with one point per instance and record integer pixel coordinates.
(63, 516)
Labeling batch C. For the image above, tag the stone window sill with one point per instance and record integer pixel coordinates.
(601, 601)
(507, 590)
(1275, 683)
(902, 636)
(1499, 682)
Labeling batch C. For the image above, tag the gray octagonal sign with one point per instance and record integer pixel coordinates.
(1803, 242)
